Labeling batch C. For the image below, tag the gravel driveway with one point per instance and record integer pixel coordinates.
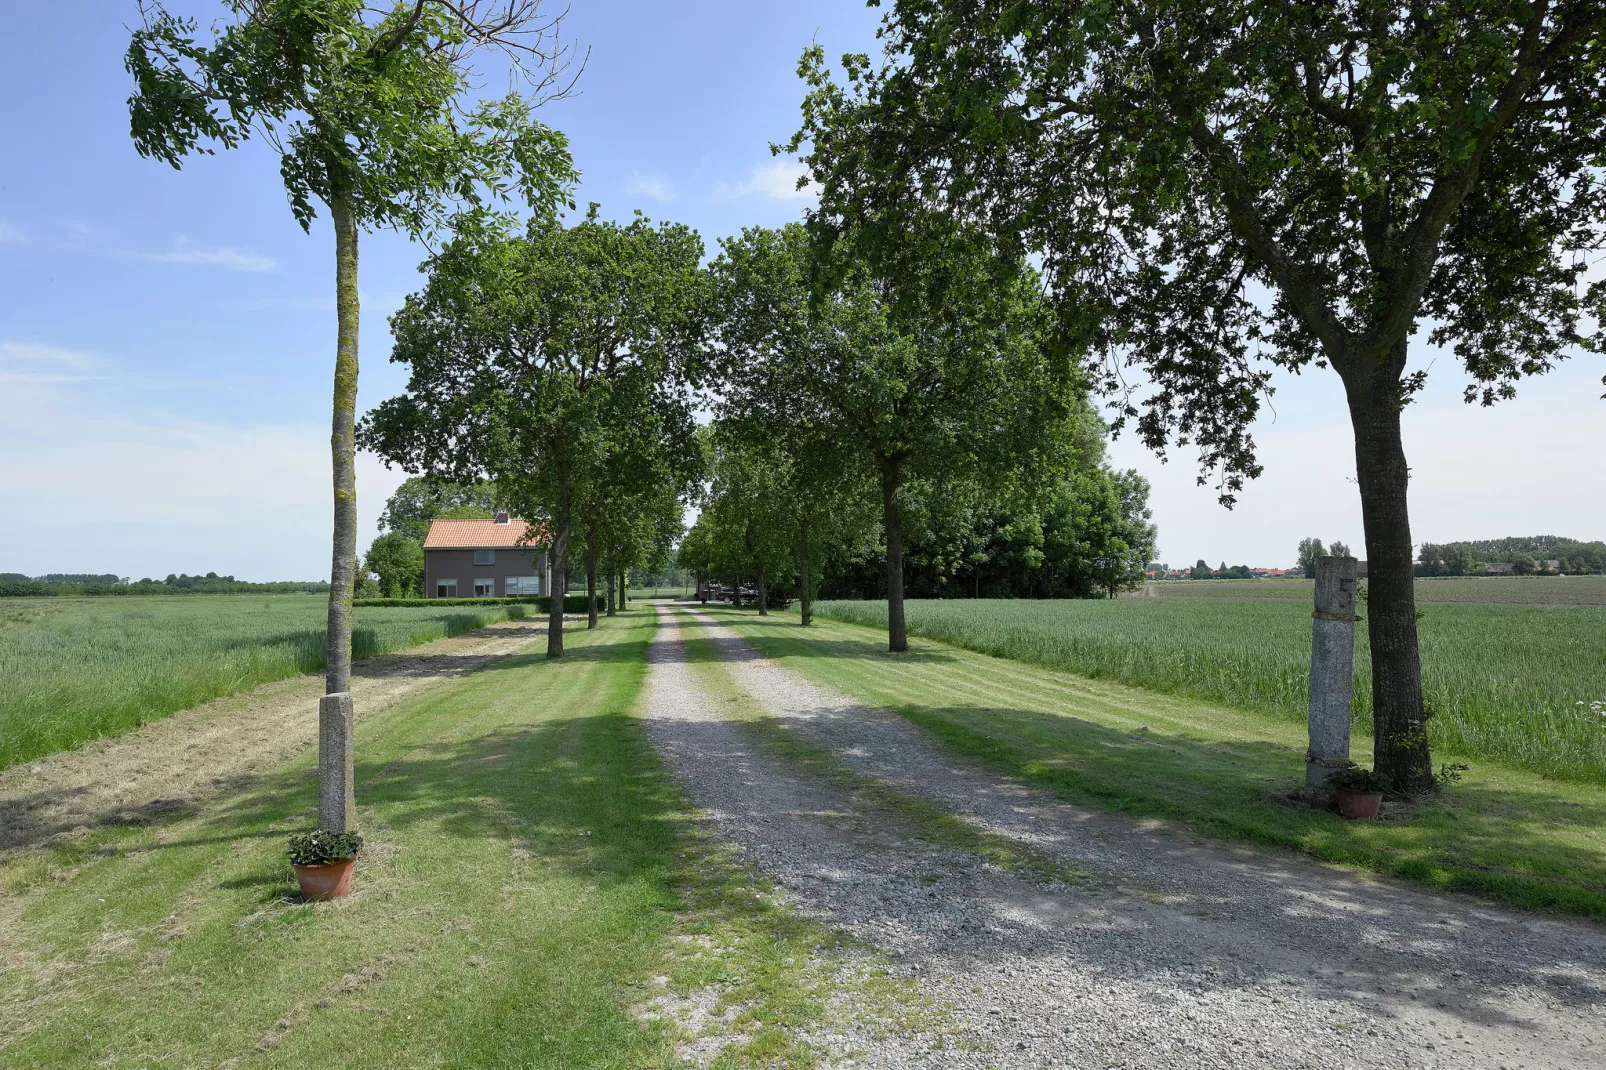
(1171, 953)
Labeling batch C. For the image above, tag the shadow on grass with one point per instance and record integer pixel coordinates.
(1474, 838)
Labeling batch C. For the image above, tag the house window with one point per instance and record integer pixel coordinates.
(484, 588)
(445, 588)
(517, 585)
(485, 557)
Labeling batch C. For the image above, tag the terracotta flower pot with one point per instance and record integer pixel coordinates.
(331, 880)
(1358, 805)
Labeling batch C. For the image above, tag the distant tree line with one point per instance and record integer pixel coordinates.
(1526, 555)
(16, 585)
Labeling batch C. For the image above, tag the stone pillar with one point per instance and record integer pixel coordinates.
(337, 798)
(1332, 669)
(546, 588)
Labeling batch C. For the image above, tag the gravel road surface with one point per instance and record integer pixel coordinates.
(1172, 952)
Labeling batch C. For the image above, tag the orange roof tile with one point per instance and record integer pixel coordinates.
(476, 534)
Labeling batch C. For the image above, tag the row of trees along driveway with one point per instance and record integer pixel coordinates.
(947, 371)
(1217, 189)
(557, 364)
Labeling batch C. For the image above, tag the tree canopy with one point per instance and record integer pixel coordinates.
(421, 499)
(946, 372)
(547, 361)
(1215, 190)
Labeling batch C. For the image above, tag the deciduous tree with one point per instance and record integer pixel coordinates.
(421, 499)
(537, 361)
(372, 113)
(1216, 185)
(398, 560)
(1309, 550)
(939, 370)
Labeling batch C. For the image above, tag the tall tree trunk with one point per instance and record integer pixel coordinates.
(1398, 714)
(343, 450)
(560, 577)
(805, 570)
(591, 578)
(610, 590)
(621, 588)
(897, 632)
(763, 598)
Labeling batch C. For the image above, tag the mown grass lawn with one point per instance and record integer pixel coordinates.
(75, 669)
(1222, 772)
(529, 873)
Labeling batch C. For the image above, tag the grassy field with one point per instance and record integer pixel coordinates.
(1214, 770)
(530, 877)
(74, 669)
(1496, 590)
(1505, 681)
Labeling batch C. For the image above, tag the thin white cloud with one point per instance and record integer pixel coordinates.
(11, 234)
(83, 237)
(34, 362)
(35, 351)
(654, 187)
(185, 251)
(251, 500)
(776, 181)
(7, 376)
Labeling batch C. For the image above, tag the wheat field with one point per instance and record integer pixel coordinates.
(74, 669)
(1510, 683)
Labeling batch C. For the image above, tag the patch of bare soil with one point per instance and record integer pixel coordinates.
(168, 766)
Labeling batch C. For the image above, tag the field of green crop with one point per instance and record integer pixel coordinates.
(1507, 682)
(1498, 590)
(74, 669)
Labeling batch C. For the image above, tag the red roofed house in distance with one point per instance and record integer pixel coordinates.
(483, 559)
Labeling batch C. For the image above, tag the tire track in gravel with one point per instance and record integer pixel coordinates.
(1176, 953)
(167, 767)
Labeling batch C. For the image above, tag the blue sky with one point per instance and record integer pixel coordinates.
(166, 337)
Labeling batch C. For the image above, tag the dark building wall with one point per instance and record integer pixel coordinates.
(459, 565)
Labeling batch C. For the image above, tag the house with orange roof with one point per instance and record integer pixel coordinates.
(500, 557)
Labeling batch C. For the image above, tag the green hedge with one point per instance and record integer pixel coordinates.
(575, 603)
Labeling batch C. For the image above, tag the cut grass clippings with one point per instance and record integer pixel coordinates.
(531, 881)
(1222, 772)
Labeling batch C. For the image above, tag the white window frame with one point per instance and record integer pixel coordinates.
(522, 585)
(485, 557)
(445, 583)
(488, 584)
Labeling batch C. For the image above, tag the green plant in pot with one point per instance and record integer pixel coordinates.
(1359, 792)
(323, 861)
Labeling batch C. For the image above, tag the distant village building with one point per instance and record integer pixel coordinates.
(483, 559)
(1497, 568)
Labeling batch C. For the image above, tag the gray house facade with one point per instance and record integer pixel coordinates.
(483, 559)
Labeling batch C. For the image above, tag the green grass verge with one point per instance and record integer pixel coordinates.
(78, 669)
(1221, 772)
(530, 877)
(1507, 683)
